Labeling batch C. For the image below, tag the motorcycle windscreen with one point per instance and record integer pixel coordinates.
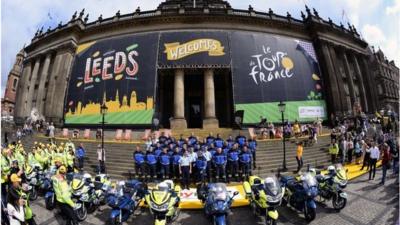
(219, 191)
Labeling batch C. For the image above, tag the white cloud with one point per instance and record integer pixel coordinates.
(388, 44)
(394, 9)
(373, 34)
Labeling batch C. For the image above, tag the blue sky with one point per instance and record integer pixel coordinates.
(377, 20)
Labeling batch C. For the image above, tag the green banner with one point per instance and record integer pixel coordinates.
(303, 111)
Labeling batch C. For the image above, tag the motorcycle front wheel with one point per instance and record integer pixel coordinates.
(310, 213)
(114, 221)
(269, 221)
(33, 195)
(50, 203)
(81, 213)
(338, 202)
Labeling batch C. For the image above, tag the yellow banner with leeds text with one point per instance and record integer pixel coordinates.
(176, 51)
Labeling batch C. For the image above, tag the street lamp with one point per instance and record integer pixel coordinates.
(103, 111)
(282, 107)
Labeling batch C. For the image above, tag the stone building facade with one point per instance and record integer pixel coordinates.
(8, 102)
(387, 80)
(342, 54)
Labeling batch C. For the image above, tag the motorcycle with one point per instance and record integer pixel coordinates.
(84, 195)
(102, 185)
(124, 199)
(33, 177)
(300, 193)
(163, 202)
(264, 196)
(47, 187)
(331, 187)
(217, 201)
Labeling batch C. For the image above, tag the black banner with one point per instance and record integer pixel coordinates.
(194, 49)
(270, 68)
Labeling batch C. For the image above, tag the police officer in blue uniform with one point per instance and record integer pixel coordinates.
(210, 139)
(252, 143)
(139, 158)
(176, 157)
(219, 160)
(241, 140)
(192, 140)
(165, 162)
(151, 160)
(245, 159)
(233, 161)
(218, 142)
(201, 167)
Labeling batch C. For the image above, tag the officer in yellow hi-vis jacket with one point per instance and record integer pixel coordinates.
(63, 195)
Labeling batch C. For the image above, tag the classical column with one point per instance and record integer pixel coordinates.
(361, 87)
(333, 83)
(179, 121)
(29, 100)
(349, 77)
(209, 100)
(339, 79)
(371, 84)
(41, 91)
(61, 85)
(51, 87)
(22, 92)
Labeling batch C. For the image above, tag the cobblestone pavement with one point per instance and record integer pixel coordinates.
(368, 203)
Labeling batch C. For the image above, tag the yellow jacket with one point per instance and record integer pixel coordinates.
(62, 190)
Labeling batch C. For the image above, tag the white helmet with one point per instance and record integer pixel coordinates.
(331, 168)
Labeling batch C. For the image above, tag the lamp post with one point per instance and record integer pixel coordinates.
(282, 107)
(103, 111)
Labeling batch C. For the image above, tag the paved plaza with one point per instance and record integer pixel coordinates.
(369, 203)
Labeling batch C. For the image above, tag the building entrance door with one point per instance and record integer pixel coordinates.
(194, 95)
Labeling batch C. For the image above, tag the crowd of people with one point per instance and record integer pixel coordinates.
(195, 160)
(365, 143)
(61, 158)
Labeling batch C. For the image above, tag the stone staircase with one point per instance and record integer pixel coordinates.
(119, 156)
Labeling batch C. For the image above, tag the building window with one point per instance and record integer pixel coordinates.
(15, 83)
(380, 91)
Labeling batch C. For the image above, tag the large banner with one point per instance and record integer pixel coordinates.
(194, 49)
(119, 72)
(268, 69)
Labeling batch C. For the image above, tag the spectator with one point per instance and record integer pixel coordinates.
(343, 150)
(51, 131)
(299, 156)
(333, 151)
(367, 154)
(358, 151)
(350, 149)
(373, 159)
(80, 155)
(101, 156)
(385, 162)
(271, 130)
(296, 129)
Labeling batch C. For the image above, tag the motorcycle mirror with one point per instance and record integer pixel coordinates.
(347, 170)
(235, 193)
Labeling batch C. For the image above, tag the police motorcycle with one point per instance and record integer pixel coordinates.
(300, 193)
(163, 202)
(102, 185)
(332, 184)
(47, 187)
(217, 201)
(34, 176)
(264, 196)
(124, 198)
(84, 195)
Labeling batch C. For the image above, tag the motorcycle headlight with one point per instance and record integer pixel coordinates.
(77, 192)
(274, 199)
(219, 206)
(163, 207)
(84, 197)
